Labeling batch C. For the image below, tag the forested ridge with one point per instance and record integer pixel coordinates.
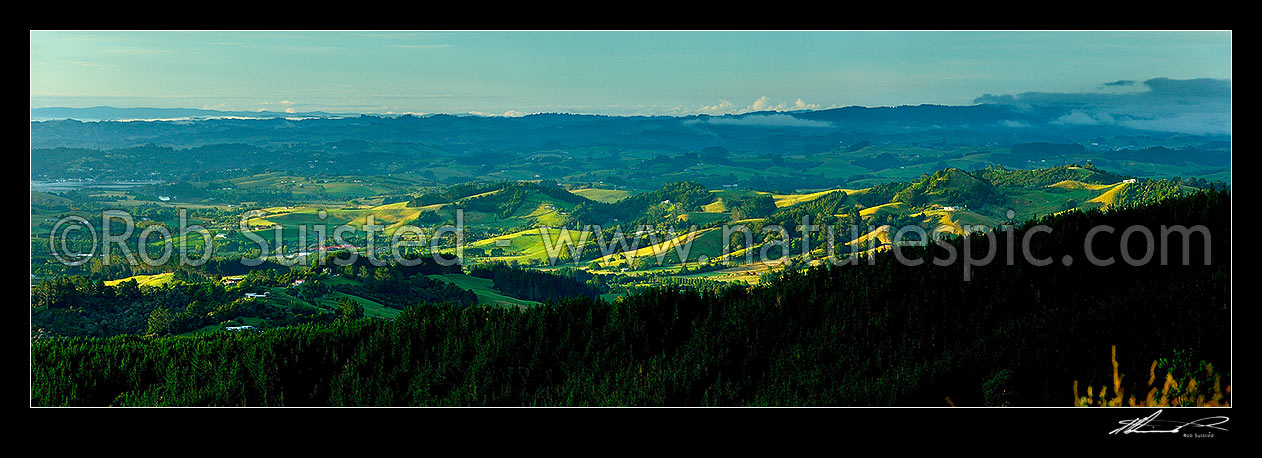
(878, 333)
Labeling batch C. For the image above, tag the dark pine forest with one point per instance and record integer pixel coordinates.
(879, 332)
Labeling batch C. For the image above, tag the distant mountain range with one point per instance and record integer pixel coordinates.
(768, 131)
(104, 113)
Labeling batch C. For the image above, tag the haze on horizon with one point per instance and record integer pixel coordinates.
(614, 73)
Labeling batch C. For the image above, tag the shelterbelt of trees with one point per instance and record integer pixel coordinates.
(876, 333)
(535, 285)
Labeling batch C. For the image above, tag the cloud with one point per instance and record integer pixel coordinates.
(1191, 106)
(1200, 87)
(1082, 118)
(801, 105)
(723, 107)
(763, 103)
(1213, 123)
(506, 114)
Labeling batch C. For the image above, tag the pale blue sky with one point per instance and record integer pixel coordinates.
(595, 72)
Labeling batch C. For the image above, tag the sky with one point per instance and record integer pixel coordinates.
(599, 72)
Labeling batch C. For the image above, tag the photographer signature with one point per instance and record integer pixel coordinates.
(1151, 424)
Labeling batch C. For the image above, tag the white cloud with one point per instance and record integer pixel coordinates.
(506, 114)
(723, 107)
(763, 103)
(799, 104)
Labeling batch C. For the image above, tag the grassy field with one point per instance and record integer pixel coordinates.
(702, 218)
(372, 309)
(1076, 185)
(145, 280)
(956, 220)
(602, 195)
(1033, 203)
(892, 207)
(880, 235)
(339, 188)
(217, 328)
(704, 242)
(718, 206)
(786, 200)
(1109, 196)
(529, 245)
(484, 289)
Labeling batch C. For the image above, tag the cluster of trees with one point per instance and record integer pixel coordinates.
(834, 210)
(82, 306)
(951, 187)
(393, 285)
(756, 206)
(511, 196)
(1201, 183)
(501, 198)
(191, 299)
(880, 194)
(533, 284)
(77, 306)
(998, 175)
(397, 288)
(822, 210)
(452, 193)
(683, 196)
(1146, 190)
(878, 333)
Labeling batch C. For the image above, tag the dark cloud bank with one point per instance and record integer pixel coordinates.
(1193, 106)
